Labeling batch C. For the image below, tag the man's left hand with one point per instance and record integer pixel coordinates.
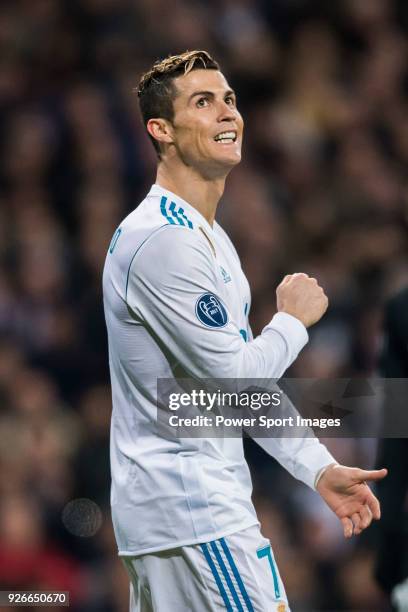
(346, 492)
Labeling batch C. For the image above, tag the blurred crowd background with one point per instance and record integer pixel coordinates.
(323, 188)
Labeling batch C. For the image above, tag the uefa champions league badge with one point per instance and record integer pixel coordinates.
(210, 311)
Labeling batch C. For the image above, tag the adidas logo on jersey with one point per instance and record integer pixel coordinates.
(225, 275)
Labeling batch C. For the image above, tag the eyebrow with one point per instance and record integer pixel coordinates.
(229, 92)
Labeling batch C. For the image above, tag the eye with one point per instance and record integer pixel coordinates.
(230, 100)
(202, 102)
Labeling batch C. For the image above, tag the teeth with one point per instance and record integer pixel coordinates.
(226, 137)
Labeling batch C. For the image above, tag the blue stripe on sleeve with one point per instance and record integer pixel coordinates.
(172, 209)
(182, 213)
(164, 211)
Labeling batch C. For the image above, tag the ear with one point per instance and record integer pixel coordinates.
(160, 130)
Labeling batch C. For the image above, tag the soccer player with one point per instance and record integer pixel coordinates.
(391, 568)
(176, 304)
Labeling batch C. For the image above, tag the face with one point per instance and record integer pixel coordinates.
(207, 127)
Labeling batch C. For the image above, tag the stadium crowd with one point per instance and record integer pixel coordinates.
(323, 188)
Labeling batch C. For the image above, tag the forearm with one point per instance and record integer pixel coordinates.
(271, 353)
(302, 457)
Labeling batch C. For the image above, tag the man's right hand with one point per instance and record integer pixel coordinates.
(302, 297)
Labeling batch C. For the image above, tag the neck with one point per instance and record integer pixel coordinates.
(201, 192)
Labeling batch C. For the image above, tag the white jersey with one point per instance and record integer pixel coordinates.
(177, 301)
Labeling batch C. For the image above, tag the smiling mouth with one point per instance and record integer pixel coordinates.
(226, 137)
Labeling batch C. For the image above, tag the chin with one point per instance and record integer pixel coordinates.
(220, 165)
(227, 154)
(232, 160)
(230, 157)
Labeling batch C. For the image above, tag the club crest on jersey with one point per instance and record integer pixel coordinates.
(210, 311)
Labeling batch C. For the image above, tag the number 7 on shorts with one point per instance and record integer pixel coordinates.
(267, 552)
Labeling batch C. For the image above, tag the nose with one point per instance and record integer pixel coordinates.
(226, 112)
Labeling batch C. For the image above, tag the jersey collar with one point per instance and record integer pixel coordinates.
(157, 190)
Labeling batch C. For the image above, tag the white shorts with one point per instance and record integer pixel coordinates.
(237, 573)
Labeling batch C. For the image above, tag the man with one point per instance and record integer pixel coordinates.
(176, 304)
(391, 569)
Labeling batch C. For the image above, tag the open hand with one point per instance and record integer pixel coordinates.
(345, 491)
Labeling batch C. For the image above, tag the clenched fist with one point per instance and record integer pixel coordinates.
(302, 297)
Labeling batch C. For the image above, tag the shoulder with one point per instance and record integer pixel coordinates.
(146, 224)
(170, 258)
(171, 245)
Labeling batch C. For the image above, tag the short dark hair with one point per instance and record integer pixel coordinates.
(156, 90)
